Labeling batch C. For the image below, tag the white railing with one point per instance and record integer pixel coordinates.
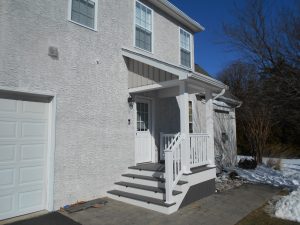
(165, 141)
(198, 149)
(173, 165)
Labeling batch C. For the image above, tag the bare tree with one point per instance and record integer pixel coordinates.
(272, 45)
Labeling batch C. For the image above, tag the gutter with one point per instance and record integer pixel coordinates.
(178, 14)
(220, 94)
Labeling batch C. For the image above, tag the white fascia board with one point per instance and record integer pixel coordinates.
(176, 70)
(208, 80)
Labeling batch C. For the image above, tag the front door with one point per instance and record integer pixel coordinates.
(143, 139)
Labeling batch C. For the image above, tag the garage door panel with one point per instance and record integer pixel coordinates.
(33, 152)
(34, 107)
(29, 199)
(8, 129)
(31, 174)
(6, 204)
(7, 153)
(7, 177)
(34, 130)
(8, 105)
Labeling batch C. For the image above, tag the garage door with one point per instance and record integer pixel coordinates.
(23, 157)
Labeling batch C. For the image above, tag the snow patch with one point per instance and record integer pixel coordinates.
(266, 175)
(288, 207)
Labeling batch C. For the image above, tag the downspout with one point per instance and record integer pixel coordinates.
(220, 94)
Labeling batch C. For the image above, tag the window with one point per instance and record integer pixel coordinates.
(143, 27)
(185, 48)
(142, 116)
(84, 12)
(190, 117)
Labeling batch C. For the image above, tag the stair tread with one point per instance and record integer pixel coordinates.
(180, 182)
(155, 167)
(145, 187)
(140, 198)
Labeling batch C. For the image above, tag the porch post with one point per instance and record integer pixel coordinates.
(210, 126)
(184, 125)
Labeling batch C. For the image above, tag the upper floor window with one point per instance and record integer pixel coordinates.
(185, 48)
(84, 12)
(143, 27)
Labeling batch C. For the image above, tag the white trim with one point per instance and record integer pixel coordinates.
(189, 50)
(152, 106)
(95, 19)
(152, 28)
(51, 150)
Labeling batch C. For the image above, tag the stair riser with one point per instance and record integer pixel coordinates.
(144, 182)
(157, 208)
(140, 192)
(146, 173)
(150, 183)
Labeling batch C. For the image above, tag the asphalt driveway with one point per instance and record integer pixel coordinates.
(225, 208)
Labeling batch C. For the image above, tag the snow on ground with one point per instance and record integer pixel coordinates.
(288, 176)
(266, 175)
(288, 207)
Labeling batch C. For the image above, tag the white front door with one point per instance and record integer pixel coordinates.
(143, 139)
(23, 157)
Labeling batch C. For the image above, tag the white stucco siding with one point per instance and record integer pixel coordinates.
(94, 143)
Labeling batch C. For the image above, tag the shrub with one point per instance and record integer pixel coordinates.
(247, 164)
(274, 164)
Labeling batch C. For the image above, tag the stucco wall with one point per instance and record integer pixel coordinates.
(94, 143)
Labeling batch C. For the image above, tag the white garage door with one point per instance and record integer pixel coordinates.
(23, 157)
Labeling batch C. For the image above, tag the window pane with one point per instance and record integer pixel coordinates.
(143, 39)
(185, 40)
(83, 12)
(185, 58)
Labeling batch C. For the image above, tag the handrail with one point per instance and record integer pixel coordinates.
(173, 165)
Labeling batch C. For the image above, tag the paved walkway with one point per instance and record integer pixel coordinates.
(226, 208)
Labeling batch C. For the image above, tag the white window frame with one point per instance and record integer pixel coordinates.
(152, 26)
(95, 19)
(190, 50)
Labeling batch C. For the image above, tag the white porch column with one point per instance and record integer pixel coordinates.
(184, 125)
(210, 126)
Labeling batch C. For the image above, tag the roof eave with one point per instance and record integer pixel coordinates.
(182, 17)
(208, 80)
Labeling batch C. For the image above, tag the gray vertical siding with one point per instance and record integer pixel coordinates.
(140, 74)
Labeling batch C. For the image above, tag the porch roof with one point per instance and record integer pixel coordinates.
(182, 73)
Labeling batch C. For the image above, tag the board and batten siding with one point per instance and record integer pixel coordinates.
(141, 74)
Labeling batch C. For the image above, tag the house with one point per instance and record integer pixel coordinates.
(101, 98)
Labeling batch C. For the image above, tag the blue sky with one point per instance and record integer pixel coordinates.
(209, 52)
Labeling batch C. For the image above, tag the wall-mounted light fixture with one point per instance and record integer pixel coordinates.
(130, 101)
